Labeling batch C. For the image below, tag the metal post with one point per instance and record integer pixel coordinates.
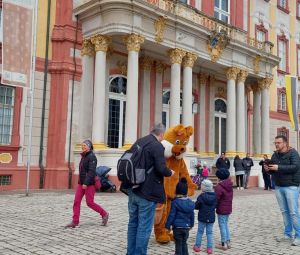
(32, 81)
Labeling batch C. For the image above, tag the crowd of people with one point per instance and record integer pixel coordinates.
(281, 172)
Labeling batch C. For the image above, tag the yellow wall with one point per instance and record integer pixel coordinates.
(42, 28)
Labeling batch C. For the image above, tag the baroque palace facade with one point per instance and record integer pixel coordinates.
(117, 67)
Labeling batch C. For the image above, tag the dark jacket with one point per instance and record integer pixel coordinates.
(87, 168)
(181, 213)
(153, 187)
(223, 163)
(238, 164)
(224, 192)
(261, 163)
(206, 204)
(248, 163)
(288, 173)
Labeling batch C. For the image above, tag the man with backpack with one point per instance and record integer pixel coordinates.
(142, 198)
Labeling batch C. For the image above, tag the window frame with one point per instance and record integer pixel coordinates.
(283, 8)
(281, 92)
(261, 28)
(284, 131)
(298, 10)
(221, 11)
(282, 38)
(298, 59)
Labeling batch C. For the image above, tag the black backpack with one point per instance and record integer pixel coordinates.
(131, 168)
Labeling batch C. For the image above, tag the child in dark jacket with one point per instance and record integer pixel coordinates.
(224, 192)
(206, 204)
(181, 217)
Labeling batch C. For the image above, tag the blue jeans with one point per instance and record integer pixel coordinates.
(209, 234)
(287, 198)
(141, 219)
(180, 236)
(223, 225)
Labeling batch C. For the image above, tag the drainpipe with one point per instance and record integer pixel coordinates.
(72, 100)
(41, 165)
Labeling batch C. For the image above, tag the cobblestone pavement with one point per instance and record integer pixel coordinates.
(35, 225)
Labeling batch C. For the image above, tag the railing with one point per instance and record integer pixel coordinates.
(181, 10)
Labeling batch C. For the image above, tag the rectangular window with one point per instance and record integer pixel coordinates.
(282, 54)
(283, 4)
(221, 10)
(282, 98)
(7, 95)
(5, 180)
(260, 35)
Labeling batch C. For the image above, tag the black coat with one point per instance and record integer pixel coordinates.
(206, 204)
(87, 168)
(288, 173)
(248, 163)
(238, 164)
(153, 187)
(223, 163)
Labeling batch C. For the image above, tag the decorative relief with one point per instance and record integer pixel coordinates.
(101, 42)
(221, 92)
(159, 26)
(87, 48)
(231, 73)
(133, 42)
(189, 59)
(255, 87)
(256, 62)
(160, 66)
(122, 67)
(265, 83)
(203, 78)
(146, 63)
(5, 158)
(242, 75)
(110, 51)
(217, 42)
(176, 55)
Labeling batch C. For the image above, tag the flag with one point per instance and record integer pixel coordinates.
(292, 100)
(17, 42)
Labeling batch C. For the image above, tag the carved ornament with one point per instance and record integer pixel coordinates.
(221, 92)
(87, 48)
(203, 78)
(189, 59)
(5, 158)
(256, 62)
(242, 75)
(217, 42)
(160, 66)
(176, 55)
(159, 26)
(101, 42)
(231, 73)
(122, 67)
(265, 83)
(146, 63)
(133, 42)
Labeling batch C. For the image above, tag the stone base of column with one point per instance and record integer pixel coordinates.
(100, 146)
(242, 154)
(127, 146)
(206, 153)
(257, 155)
(231, 153)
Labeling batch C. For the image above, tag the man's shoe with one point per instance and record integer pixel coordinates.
(296, 242)
(71, 225)
(284, 238)
(105, 219)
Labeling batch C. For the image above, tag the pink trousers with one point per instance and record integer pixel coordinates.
(89, 193)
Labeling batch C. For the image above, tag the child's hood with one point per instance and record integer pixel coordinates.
(185, 204)
(226, 184)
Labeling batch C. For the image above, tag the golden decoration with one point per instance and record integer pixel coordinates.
(265, 83)
(5, 158)
(146, 63)
(221, 92)
(217, 42)
(101, 42)
(203, 78)
(231, 73)
(159, 26)
(242, 75)
(189, 59)
(176, 55)
(122, 67)
(87, 48)
(110, 51)
(133, 42)
(256, 62)
(160, 66)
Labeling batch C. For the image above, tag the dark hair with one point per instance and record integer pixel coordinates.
(282, 137)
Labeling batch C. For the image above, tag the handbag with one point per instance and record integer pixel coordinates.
(97, 182)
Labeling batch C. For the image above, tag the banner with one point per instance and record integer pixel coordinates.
(292, 100)
(17, 42)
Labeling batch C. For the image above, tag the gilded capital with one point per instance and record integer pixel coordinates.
(101, 42)
(87, 48)
(160, 66)
(133, 42)
(146, 63)
(203, 78)
(255, 87)
(242, 75)
(176, 55)
(231, 73)
(265, 83)
(189, 59)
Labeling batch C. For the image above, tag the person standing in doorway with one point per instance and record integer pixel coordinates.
(248, 163)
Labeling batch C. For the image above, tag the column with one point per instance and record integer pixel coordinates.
(211, 118)
(202, 118)
(160, 67)
(231, 74)
(187, 97)
(265, 118)
(133, 42)
(256, 121)
(176, 56)
(241, 113)
(101, 44)
(145, 66)
(86, 90)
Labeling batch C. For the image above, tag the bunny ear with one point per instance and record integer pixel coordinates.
(179, 129)
(189, 130)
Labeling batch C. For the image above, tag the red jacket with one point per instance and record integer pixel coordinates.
(224, 192)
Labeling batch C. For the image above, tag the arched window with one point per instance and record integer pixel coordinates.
(220, 125)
